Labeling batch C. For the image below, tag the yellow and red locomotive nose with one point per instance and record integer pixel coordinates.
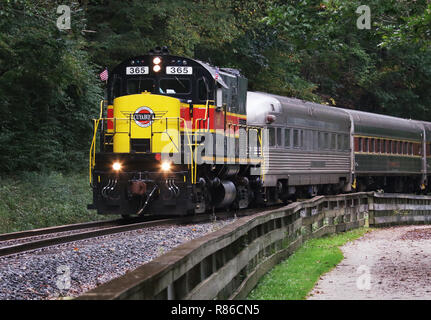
(146, 123)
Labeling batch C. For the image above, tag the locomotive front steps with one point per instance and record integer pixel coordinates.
(229, 262)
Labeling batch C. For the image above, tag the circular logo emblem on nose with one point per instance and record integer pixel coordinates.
(143, 117)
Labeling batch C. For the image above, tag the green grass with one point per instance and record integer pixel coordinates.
(37, 200)
(294, 278)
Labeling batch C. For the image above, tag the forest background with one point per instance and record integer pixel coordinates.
(313, 50)
(309, 49)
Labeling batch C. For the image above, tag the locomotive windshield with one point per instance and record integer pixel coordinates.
(135, 86)
(175, 86)
(168, 86)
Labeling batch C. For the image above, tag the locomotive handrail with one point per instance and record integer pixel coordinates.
(96, 125)
(93, 142)
(165, 119)
(206, 117)
(188, 132)
(93, 149)
(248, 127)
(196, 131)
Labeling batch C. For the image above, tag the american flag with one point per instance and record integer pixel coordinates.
(216, 73)
(104, 75)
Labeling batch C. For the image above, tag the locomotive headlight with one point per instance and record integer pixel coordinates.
(157, 60)
(166, 166)
(116, 166)
(156, 68)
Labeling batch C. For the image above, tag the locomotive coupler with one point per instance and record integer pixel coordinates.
(148, 200)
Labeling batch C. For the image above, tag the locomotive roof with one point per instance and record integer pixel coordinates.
(212, 70)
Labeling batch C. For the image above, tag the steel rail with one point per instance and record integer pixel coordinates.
(55, 229)
(37, 244)
(42, 243)
(118, 226)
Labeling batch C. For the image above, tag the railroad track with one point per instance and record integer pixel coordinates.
(45, 237)
(19, 242)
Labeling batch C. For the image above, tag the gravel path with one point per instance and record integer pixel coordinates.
(391, 263)
(73, 268)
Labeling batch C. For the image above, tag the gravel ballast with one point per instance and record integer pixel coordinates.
(68, 270)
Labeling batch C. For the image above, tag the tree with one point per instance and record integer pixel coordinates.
(49, 89)
(350, 66)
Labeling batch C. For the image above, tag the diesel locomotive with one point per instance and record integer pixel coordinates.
(179, 136)
(174, 140)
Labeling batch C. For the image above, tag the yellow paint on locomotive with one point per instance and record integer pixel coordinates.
(163, 129)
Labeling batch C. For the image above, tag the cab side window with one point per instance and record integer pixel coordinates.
(204, 89)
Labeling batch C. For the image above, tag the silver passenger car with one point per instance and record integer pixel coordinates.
(308, 144)
(311, 147)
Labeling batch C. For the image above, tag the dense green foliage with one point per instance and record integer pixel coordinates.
(308, 49)
(295, 277)
(48, 87)
(34, 200)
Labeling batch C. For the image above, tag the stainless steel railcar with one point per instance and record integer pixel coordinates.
(308, 145)
(314, 148)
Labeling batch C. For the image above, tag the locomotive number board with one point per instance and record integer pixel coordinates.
(179, 70)
(137, 70)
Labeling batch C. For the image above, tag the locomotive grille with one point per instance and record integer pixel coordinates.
(140, 145)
